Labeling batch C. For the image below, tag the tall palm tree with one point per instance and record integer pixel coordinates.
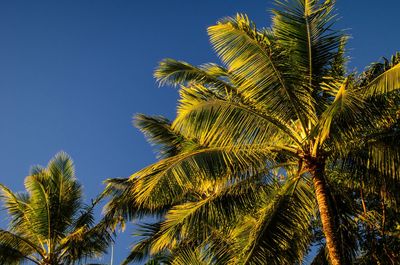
(282, 99)
(49, 223)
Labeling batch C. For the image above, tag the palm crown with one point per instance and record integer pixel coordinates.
(49, 223)
(255, 138)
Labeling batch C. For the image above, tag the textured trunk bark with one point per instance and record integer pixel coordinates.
(325, 210)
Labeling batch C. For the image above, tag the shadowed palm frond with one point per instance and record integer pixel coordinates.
(142, 250)
(158, 132)
(191, 256)
(175, 72)
(281, 233)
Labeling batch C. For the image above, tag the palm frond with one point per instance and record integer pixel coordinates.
(304, 27)
(264, 78)
(282, 231)
(85, 242)
(11, 256)
(175, 72)
(191, 256)
(24, 247)
(215, 121)
(169, 179)
(345, 118)
(198, 219)
(16, 204)
(158, 131)
(63, 191)
(142, 250)
(386, 82)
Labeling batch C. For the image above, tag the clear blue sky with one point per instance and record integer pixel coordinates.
(73, 72)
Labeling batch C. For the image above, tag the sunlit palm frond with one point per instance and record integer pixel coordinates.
(165, 181)
(263, 75)
(216, 122)
(384, 83)
(17, 205)
(123, 205)
(304, 27)
(347, 117)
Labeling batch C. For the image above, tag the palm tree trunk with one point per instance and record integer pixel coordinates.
(327, 217)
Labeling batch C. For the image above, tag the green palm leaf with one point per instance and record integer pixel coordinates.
(175, 72)
(203, 118)
(384, 83)
(263, 74)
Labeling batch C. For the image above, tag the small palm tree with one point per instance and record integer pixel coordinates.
(49, 223)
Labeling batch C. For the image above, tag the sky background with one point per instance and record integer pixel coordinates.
(74, 72)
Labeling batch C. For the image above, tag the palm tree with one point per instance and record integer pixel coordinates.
(49, 223)
(373, 184)
(283, 100)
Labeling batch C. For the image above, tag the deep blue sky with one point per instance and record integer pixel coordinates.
(72, 74)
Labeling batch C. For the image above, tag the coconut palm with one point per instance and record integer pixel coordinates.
(372, 181)
(283, 100)
(49, 223)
